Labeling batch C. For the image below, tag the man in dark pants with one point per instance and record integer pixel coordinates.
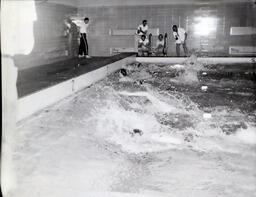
(83, 47)
(180, 36)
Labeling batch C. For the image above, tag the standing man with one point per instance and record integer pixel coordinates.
(141, 30)
(180, 36)
(83, 47)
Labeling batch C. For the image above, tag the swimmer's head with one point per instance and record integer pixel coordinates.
(175, 28)
(144, 22)
(123, 72)
(160, 37)
(86, 20)
(143, 37)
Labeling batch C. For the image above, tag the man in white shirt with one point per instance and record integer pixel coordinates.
(141, 30)
(159, 50)
(143, 46)
(180, 36)
(83, 47)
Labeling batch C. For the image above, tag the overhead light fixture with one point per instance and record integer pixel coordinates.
(205, 26)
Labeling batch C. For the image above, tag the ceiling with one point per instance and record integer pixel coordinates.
(93, 3)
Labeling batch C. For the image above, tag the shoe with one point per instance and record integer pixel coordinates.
(80, 56)
(87, 56)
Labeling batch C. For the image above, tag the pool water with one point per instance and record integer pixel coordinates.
(196, 141)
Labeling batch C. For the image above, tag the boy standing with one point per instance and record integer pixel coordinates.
(143, 28)
(83, 47)
(180, 36)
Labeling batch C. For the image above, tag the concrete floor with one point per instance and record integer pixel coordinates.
(37, 78)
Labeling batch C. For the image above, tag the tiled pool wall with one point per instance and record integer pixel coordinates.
(217, 43)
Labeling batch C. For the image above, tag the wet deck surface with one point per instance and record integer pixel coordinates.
(37, 78)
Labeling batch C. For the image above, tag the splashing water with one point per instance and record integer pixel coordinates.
(87, 138)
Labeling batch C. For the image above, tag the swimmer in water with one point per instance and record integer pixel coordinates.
(136, 131)
(124, 76)
(123, 72)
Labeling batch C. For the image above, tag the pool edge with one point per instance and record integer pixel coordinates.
(37, 101)
(212, 60)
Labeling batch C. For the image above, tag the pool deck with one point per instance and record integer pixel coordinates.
(34, 79)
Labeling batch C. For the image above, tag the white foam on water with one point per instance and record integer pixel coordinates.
(116, 124)
(186, 78)
(157, 105)
(85, 144)
(126, 79)
(207, 115)
(191, 67)
(177, 66)
(204, 88)
(247, 136)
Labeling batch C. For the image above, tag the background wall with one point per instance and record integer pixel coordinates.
(95, 3)
(222, 17)
(51, 42)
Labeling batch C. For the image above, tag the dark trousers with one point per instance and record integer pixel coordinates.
(184, 48)
(83, 47)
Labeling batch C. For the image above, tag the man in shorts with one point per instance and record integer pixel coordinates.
(180, 36)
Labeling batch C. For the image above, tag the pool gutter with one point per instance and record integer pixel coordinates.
(207, 60)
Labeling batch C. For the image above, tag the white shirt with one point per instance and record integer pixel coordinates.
(158, 42)
(180, 34)
(82, 25)
(145, 42)
(143, 28)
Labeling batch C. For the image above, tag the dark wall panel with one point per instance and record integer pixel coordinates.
(51, 42)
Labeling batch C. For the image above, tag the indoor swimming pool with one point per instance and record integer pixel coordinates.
(163, 130)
